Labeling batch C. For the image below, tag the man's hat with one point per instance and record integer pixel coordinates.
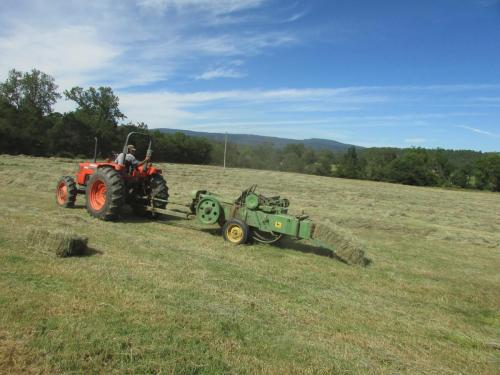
(131, 147)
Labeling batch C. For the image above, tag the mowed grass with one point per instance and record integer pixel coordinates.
(161, 297)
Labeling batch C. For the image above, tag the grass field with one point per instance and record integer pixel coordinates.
(160, 297)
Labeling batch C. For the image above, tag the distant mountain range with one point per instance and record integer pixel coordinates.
(250, 139)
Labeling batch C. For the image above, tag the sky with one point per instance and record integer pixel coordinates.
(367, 72)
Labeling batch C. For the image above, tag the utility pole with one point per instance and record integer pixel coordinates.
(225, 150)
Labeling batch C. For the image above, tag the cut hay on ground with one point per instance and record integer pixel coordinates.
(341, 242)
(62, 244)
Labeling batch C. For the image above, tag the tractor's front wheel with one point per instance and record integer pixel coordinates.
(235, 231)
(105, 194)
(66, 192)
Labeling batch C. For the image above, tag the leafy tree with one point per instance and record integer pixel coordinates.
(100, 103)
(322, 164)
(99, 109)
(33, 90)
(413, 168)
(441, 166)
(462, 176)
(487, 172)
(350, 165)
(70, 136)
(377, 163)
(11, 89)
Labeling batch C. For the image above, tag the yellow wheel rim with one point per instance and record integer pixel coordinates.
(234, 233)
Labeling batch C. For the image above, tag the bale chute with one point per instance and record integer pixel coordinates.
(268, 221)
(341, 242)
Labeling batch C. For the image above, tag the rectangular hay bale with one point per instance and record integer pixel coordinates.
(61, 243)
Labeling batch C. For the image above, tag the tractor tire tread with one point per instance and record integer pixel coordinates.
(115, 191)
(72, 190)
(159, 189)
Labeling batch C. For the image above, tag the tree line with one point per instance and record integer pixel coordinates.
(29, 125)
(423, 167)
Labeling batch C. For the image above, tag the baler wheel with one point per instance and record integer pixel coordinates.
(105, 194)
(209, 211)
(235, 231)
(66, 192)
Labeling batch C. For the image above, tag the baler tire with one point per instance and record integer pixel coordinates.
(66, 192)
(105, 194)
(235, 231)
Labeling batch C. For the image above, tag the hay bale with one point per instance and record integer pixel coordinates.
(341, 242)
(62, 244)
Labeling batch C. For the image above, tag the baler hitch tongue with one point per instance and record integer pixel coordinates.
(340, 242)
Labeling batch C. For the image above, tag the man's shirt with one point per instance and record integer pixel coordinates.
(129, 158)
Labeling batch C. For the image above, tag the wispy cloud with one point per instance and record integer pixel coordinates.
(217, 7)
(350, 107)
(220, 73)
(111, 43)
(479, 131)
(296, 16)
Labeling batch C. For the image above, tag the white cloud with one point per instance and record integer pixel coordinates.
(220, 73)
(111, 43)
(72, 54)
(278, 107)
(218, 7)
(479, 131)
(238, 45)
(296, 16)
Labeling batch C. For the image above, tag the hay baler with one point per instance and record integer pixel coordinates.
(265, 219)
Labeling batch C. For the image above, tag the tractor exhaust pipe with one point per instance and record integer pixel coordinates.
(95, 149)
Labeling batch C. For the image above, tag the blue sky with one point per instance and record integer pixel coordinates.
(372, 73)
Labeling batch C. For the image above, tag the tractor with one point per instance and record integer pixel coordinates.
(109, 185)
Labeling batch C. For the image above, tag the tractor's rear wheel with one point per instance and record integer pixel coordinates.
(159, 189)
(235, 231)
(105, 194)
(66, 192)
(156, 188)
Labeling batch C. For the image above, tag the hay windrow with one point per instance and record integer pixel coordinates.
(62, 244)
(341, 242)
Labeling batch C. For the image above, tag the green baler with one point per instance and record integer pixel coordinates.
(265, 219)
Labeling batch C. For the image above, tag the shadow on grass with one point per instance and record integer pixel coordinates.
(288, 243)
(89, 251)
(160, 218)
(211, 231)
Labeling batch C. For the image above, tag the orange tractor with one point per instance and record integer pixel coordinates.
(109, 185)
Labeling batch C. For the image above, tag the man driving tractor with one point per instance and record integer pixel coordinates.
(130, 157)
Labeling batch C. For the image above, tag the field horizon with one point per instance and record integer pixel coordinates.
(170, 296)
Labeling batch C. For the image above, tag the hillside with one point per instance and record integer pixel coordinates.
(249, 139)
(162, 297)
